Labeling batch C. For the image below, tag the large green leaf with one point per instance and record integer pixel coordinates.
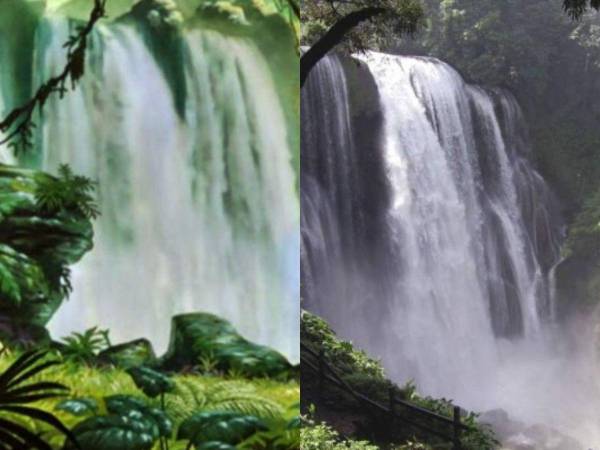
(79, 406)
(151, 382)
(225, 427)
(131, 431)
(123, 404)
(215, 445)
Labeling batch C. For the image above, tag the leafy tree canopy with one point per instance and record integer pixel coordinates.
(354, 25)
(577, 8)
(387, 19)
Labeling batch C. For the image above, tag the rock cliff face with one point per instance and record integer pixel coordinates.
(37, 245)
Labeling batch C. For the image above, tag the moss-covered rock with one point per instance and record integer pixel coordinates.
(135, 353)
(37, 245)
(204, 339)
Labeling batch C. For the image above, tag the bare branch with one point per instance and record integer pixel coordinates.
(19, 122)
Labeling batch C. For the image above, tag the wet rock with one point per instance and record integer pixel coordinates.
(504, 427)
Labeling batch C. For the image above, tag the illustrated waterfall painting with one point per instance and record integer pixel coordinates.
(450, 156)
(150, 213)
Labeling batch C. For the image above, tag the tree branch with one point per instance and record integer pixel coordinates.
(333, 37)
(19, 122)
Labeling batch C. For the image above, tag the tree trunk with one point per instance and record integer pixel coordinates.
(333, 37)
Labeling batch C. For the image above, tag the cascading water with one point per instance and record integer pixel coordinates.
(199, 209)
(473, 234)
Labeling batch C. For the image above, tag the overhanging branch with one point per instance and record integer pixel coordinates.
(19, 122)
(333, 37)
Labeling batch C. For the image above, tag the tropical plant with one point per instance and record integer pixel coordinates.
(130, 424)
(318, 335)
(151, 382)
(79, 406)
(366, 376)
(323, 437)
(84, 347)
(219, 429)
(281, 435)
(190, 396)
(66, 192)
(19, 388)
(154, 384)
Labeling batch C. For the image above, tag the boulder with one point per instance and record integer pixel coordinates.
(204, 339)
(36, 247)
(131, 354)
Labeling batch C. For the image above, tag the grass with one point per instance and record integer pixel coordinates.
(85, 381)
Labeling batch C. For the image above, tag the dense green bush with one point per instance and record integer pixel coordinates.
(323, 437)
(317, 335)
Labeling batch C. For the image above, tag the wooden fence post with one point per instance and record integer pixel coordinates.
(321, 378)
(457, 425)
(392, 421)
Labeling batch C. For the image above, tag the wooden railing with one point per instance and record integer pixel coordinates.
(326, 373)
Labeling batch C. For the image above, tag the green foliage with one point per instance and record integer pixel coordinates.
(79, 406)
(104, 385)
(190, 396)
(399, 17)
(225, 427)
(201, 337)
(584, 233)
(123, 404)
(577, 8)
(493, 42)
(129, 354)
(130, 431)
(17, 391)
(281, 435)
(130, 425)
(481, 436)
(84, 347)
(316, 334)
(366, 376)
(151, 382)
(35, 252)
(20, 277)
(414, 445)
(67, 192)
(323, 437)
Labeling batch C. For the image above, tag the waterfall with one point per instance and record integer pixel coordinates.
(462, 299)
(196, 187)
(459, 179)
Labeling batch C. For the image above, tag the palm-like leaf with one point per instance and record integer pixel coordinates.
(18, 389)
(84, 347)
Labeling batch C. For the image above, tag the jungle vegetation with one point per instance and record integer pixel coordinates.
(336, 409)
(220, 391)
